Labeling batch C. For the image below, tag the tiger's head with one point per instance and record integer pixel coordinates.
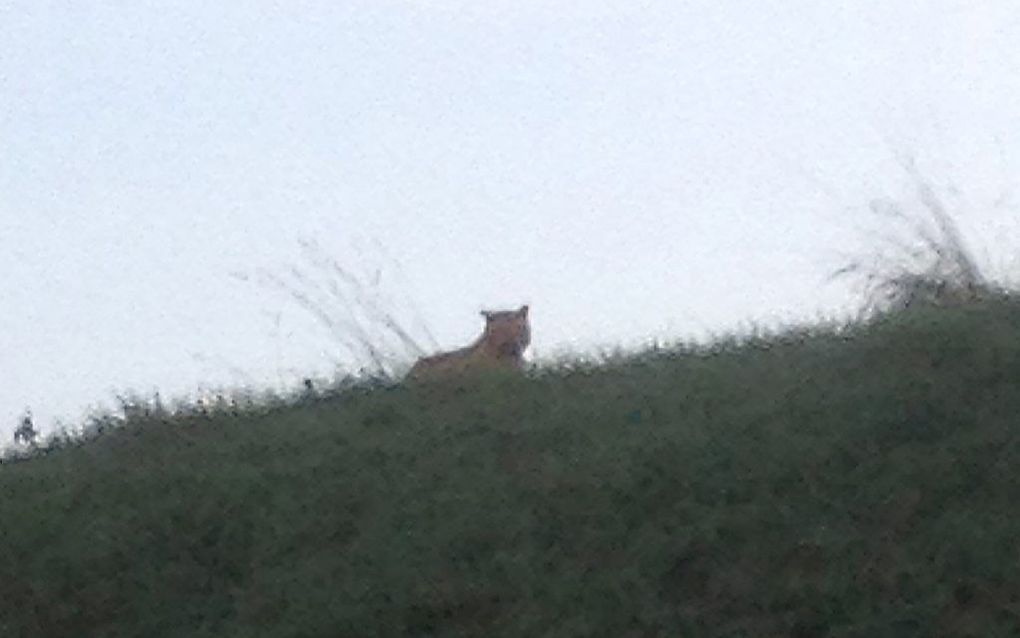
(507, 332)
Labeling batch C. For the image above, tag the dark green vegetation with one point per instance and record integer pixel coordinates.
(854, 482)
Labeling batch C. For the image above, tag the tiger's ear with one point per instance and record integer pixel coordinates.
(523, 312)
(487, 314)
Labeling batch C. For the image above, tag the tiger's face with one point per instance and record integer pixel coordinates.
(508, 331)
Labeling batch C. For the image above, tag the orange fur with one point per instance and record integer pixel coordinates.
(507, 334)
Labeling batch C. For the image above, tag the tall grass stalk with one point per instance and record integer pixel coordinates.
(924, 260)
(375, 335)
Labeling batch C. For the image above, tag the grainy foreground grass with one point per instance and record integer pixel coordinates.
(833, 481)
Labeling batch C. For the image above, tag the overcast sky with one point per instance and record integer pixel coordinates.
(632, 170)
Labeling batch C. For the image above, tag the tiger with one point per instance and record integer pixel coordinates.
(502, 343)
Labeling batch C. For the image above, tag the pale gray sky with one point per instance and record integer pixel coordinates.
(630, 169)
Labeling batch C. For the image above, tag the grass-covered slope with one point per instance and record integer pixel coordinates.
(864, 483)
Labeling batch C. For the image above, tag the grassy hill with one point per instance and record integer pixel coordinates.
(860, 481)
